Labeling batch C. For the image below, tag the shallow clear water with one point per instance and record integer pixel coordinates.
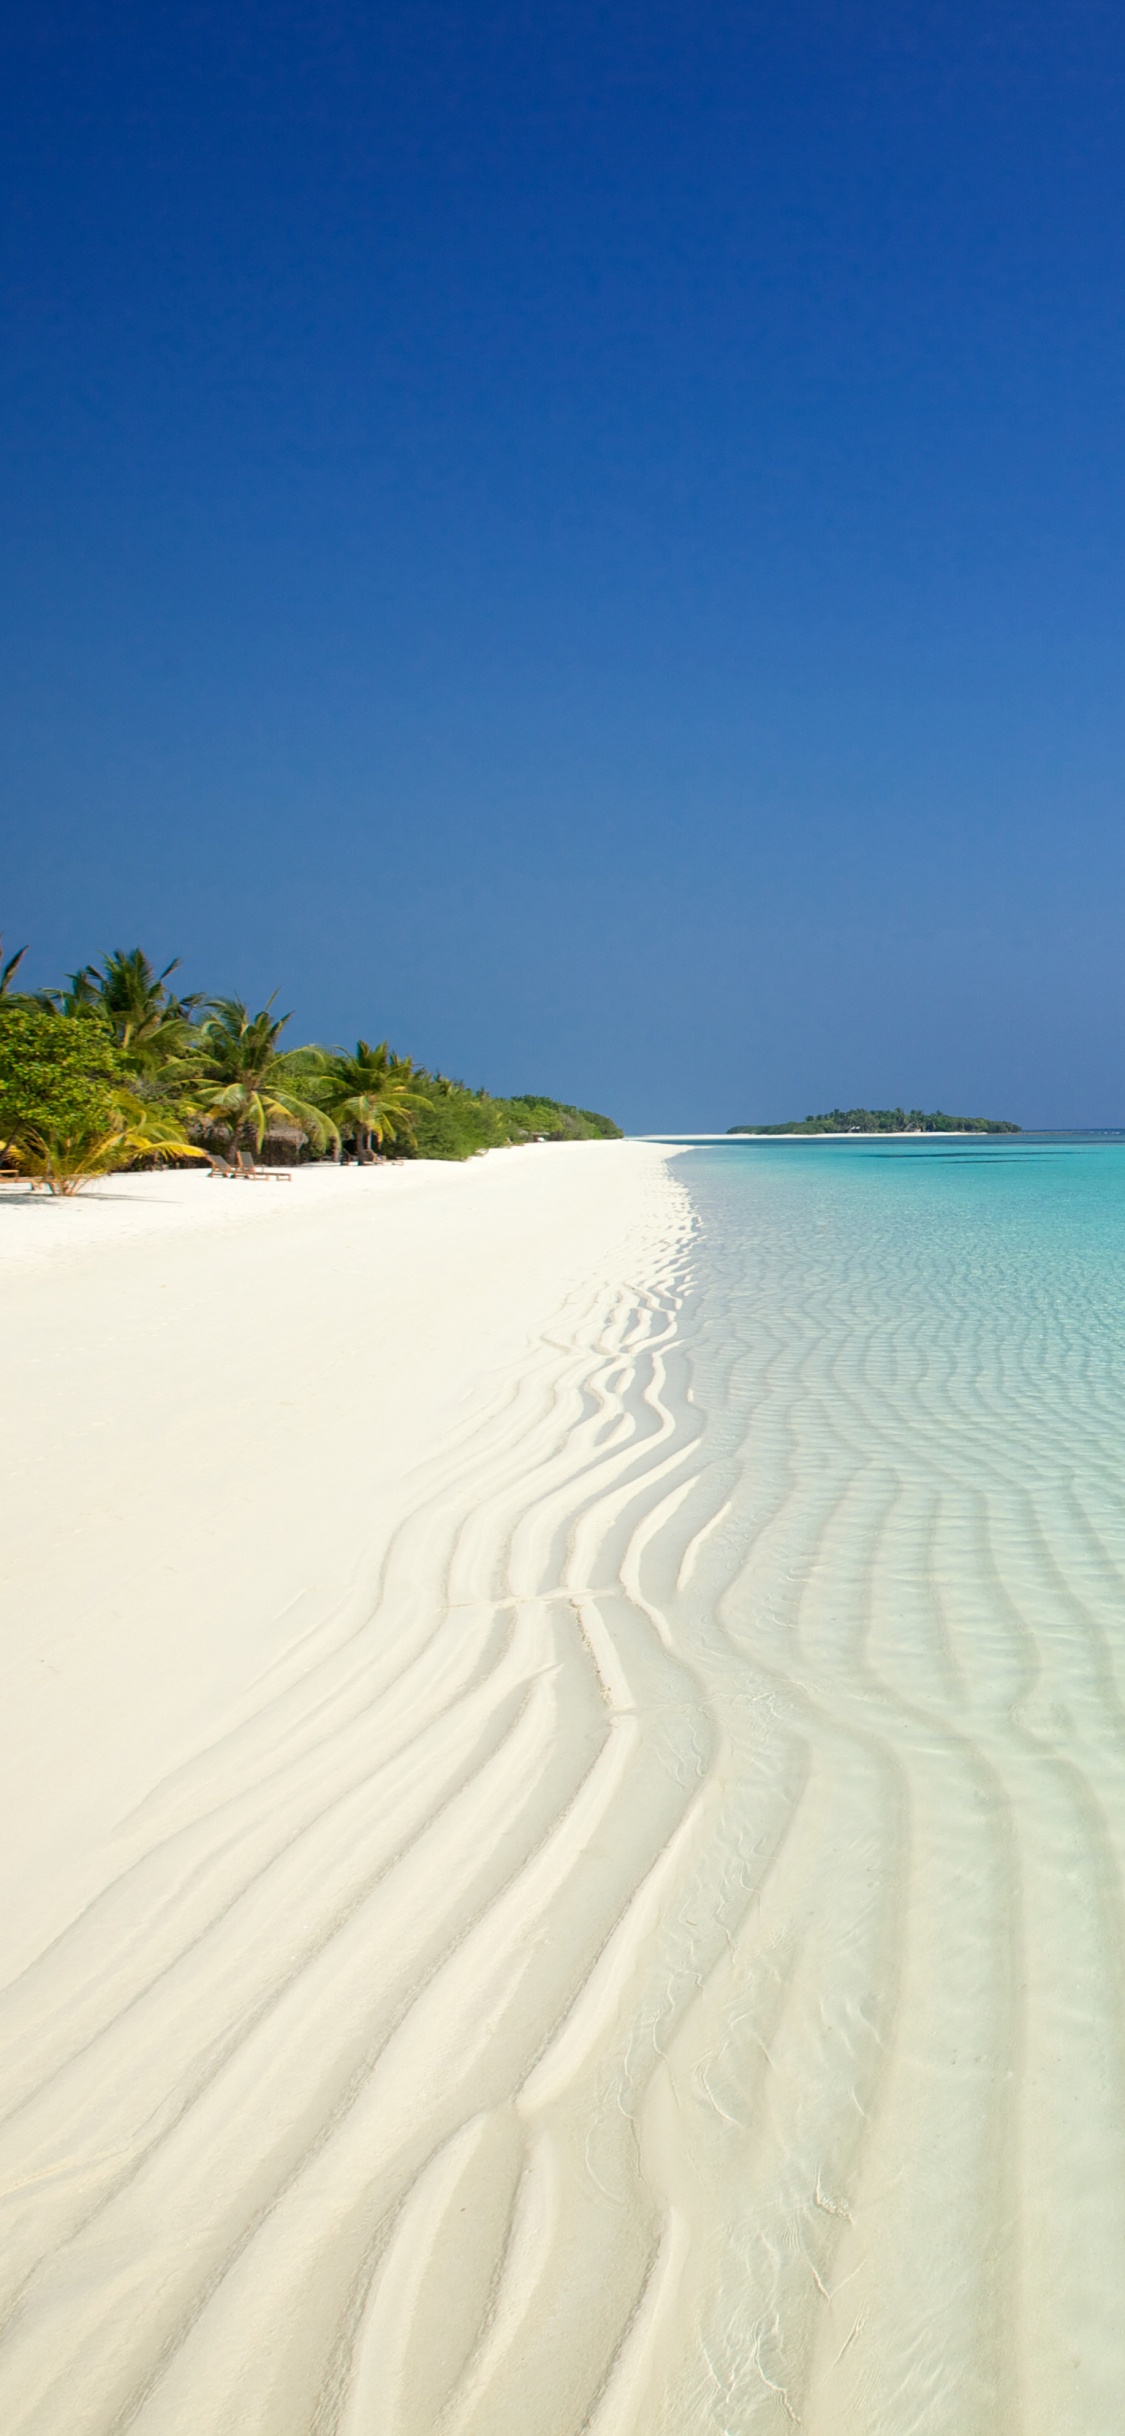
(650, 1960)
(909, 1360)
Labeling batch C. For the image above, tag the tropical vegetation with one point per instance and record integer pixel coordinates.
(69, 1104)
(884, 1120)
(372, 1097)
(116, 1069)
(244, 1085)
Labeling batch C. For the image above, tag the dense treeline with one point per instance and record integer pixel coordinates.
(884, 1120)
(116, 1069)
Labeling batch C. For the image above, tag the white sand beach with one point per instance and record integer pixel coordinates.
(315, 1845)
(562, 1816)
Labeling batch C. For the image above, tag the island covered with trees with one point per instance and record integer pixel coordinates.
(115, 1069)
(884, 1120)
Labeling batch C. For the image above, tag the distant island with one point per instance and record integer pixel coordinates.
(884, 1120)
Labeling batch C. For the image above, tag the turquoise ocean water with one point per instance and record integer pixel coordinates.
(908, 1364)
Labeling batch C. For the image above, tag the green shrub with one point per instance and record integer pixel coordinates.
(558, 1121)
(57, 1072)
(69, 1109)
(459, 1122)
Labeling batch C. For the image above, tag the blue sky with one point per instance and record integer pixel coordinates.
(589, 539)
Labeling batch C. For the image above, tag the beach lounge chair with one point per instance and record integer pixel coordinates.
(249, 1175)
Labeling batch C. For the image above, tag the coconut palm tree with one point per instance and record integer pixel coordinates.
(372, 1096)
(146, 1019)
(67, 1154)
(246, 1083)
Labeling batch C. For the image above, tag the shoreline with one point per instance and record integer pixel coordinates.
(509, 1688)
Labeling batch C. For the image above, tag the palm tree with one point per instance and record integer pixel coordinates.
(152, 1027)
(147, 1021)
(247, 1083)
(68, 1154)
(371, 1095)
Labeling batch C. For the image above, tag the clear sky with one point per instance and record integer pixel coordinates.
(588, 538)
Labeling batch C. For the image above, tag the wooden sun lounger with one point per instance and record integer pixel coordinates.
(251, 1175)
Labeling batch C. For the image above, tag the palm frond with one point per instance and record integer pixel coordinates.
(10, 969)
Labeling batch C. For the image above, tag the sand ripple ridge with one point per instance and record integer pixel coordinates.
(653, 1962)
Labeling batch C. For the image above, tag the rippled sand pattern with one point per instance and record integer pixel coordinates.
(655, 1965)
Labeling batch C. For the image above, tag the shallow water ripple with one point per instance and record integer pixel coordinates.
(652, 1967)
